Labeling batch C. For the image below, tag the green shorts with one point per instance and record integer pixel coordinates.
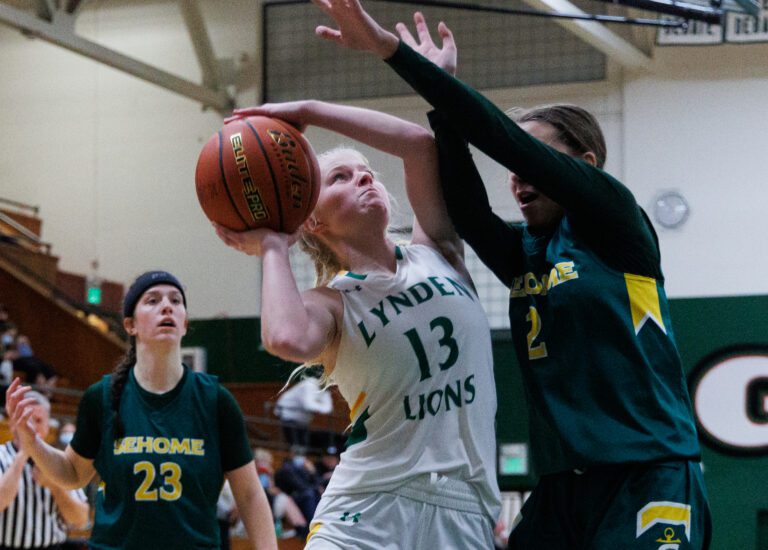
(654, 506)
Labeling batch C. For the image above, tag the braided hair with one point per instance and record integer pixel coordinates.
(117, 383)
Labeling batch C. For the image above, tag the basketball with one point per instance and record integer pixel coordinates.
(257, 172)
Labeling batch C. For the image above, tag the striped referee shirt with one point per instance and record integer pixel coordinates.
(32, 519)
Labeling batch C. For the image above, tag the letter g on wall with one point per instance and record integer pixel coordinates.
(729, 389)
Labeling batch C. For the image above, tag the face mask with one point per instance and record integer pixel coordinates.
(298, 461)
(66, 438)
(24, 350)
(264, 478)
(7, 339)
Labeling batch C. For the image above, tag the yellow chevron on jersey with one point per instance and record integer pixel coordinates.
(354, 408)
(671, 513)
(643, 301)
(314, 529)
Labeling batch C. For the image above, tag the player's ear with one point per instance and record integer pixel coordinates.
(313, 226)
(590, 158)
(129, 326)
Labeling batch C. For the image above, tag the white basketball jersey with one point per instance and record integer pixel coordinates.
(415, 365)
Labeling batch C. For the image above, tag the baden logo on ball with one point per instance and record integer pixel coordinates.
(257, 172)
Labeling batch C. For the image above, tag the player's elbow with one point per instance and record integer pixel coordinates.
(289, 345)
(421, 142)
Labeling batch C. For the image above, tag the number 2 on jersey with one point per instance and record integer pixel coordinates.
(539, 350)
(171, 489)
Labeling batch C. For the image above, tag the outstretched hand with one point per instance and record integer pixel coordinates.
(444, 57)
(357, 30)
(292, 112)
(19, 411)
(256, 241)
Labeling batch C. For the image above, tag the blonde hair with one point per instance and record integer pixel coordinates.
(326, 263)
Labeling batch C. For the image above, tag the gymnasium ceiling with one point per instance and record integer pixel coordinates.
(54, 22)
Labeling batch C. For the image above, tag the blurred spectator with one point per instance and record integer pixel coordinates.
(297, 478)
(296, 405)
(26, 518)
(6, 372)
(226, 514)
(35, 370)
(3, 318)
(66, 433)
(8, 335)
(289, 520)
(23, 347)
(326, 465)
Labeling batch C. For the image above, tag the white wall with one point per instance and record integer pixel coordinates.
(110, 159)
(705, 134)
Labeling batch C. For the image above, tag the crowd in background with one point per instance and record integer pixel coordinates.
(18, 356)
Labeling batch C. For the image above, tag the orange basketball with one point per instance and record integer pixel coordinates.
(257, 172)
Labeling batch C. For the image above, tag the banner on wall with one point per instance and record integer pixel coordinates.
(729, 390)
(739, 28)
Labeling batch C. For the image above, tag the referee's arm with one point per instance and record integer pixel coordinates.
(73, 510)
(9, 480)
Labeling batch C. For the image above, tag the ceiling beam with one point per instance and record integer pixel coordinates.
(596, 34)
(198, 33)
(60, 32)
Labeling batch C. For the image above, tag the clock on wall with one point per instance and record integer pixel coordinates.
(670, 209)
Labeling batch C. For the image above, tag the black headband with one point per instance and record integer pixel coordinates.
(143, 283)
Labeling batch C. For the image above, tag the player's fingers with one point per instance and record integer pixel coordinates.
(225, 234)
(405, 35)
(446, 34)
(247, 111)
(421, 28)
(25, 417)
(328, 33)
(22, 412)
(324, 5)
(16, 395)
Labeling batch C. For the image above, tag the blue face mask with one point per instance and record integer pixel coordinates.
(24, 350)
(264, 478)
(7, 339)
(66, 438)
(298, 461)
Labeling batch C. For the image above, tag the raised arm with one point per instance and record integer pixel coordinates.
(9, 480)
(65, 468)
(498, 245)
(406, 140)
(295, 326)
(584, 191)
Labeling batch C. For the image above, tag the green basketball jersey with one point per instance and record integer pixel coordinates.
(162, 479)
(598, 358)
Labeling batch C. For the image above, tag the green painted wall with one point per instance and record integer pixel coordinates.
(738, 486)
(233, 350)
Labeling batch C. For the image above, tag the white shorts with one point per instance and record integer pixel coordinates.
(429, 512)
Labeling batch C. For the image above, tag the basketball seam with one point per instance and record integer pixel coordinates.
(271, 172)
(308, 156)
(226, 184)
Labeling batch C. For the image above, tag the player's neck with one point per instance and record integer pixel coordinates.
(368, 257)
(158, 371)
